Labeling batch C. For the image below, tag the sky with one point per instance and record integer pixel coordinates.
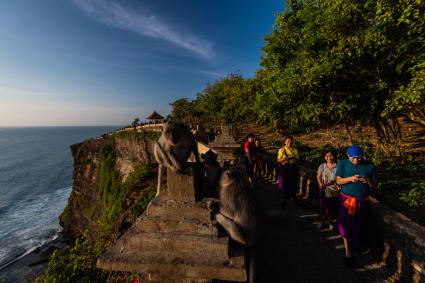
(105, 62)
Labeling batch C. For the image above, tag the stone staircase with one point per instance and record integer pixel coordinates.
(174, 241)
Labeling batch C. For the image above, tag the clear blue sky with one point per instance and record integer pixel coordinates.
(104, 62)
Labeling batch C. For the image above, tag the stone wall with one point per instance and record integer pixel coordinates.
(399, 244)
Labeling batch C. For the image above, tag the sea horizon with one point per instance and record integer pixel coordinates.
(60, 126)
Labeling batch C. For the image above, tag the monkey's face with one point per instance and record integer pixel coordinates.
(172, 131)
(232, 177)
(172, 135)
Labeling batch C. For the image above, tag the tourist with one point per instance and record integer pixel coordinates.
(259, 163)
(288, 177)
(328, 190)
(356, 177)
(248, 156)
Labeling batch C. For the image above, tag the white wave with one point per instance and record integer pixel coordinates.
(27, 251)
(30, 223)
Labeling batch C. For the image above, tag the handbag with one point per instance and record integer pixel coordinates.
(332, 191)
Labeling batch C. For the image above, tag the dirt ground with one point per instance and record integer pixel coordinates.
(413, 136)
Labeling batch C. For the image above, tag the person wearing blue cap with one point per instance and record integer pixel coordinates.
(356, 177)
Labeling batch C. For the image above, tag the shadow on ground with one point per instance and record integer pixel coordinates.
(291, 248)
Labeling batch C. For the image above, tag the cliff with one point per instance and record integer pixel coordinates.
(113, 181)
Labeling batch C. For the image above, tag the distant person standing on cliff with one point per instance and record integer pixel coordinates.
(248, 149)
(356, 177)
(288, 176)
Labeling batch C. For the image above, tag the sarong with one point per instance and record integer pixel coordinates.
(288, 179)
(328, 206)
(354, 220)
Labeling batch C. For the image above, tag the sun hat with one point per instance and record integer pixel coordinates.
(355, 151)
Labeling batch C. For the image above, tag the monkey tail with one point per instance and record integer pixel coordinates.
(252, 263)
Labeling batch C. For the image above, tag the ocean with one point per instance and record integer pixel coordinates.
(35, 182)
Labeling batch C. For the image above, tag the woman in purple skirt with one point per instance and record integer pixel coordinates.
(328, 190)
(356, 177)
(287, 158)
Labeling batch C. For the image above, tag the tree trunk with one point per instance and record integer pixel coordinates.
(416, 116)
(347, 129)
(389, 136)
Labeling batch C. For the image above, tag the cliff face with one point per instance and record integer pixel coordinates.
(113, 180)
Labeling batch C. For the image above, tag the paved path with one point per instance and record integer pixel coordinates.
(292, 249)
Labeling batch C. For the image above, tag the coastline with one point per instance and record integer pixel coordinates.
(33, 264)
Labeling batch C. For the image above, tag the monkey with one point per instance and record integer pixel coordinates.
(236, 209)
(211, 172)
(173, 148)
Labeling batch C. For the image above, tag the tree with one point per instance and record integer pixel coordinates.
(345, 61)
(182, 109)
(228, 100)
(135, 123)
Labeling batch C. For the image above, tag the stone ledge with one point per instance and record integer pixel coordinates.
(184, 244)
(177, 270)
(401, 243)
(186, 226)
(174, 210)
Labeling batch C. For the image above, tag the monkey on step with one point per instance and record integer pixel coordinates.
(173, 148)
(210, 173)
(236, 210)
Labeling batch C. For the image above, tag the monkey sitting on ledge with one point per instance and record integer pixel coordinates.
(173, 148)
(236, 210)
(211, 172)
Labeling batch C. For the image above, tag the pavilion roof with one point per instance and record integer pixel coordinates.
(154, 116)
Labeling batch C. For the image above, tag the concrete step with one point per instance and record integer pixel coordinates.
(193, 227)
(173, 210)
(173, 265)
(185, 245)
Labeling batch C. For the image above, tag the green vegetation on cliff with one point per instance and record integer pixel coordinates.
(111, 192)
(114, 193)
(111, 203)
(76, 264)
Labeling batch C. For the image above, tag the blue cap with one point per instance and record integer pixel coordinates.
(355, 151)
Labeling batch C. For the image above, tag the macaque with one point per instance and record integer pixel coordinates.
(211, 172)
(173, 148)
(236, 210)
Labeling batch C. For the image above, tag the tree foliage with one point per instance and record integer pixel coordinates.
(345, 61)
(328, 62)
(228, 100)
(182, 109)
(135, 123)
